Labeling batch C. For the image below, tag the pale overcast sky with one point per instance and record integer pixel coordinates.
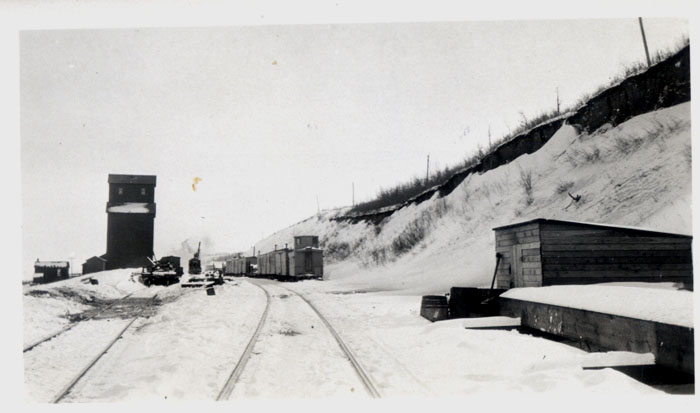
(270, 117)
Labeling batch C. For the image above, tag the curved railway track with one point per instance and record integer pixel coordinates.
(243, 360)
(66, 390)
(238, 370)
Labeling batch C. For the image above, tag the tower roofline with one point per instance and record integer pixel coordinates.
(131, 179)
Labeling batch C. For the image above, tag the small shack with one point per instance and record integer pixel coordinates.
(50, 271)
(94, 264)
(543, 252)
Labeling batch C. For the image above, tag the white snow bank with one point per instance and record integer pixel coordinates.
(660, 305)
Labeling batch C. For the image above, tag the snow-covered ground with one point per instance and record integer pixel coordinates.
(187, 349)
(47, 308)
(407, 355)
(637, 173)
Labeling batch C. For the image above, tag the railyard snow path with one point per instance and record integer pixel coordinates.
(188, 348)
(185, 351)
(296, 356)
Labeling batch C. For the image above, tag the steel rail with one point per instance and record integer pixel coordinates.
(364, 377)
(82, 373)
(71, 325)
(226, 391)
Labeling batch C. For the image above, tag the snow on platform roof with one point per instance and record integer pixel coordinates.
(131, 179)
(654, 304)
(592, 225)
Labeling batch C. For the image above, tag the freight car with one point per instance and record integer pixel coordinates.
(304, 261)
(241, 266)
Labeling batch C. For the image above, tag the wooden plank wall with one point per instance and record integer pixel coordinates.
(574, 254)
(528, 237)
(672, 346)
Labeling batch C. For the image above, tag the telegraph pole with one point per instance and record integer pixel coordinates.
(558, 102)
(427, 169)
(644, 39)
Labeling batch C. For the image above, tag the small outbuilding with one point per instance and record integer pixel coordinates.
(50, 271)
(94, 264)
(544, 252)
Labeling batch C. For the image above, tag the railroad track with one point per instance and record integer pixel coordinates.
(359, 370)
(66, 390)
(73, 324)
(240, 365)
(238, 370)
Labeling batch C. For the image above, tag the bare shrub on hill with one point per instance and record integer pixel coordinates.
(629, 144)
(688, 154)
(336, 251)
(526, 184)
(564, 187)
(579, 156)
(377, 256)
(417, 229)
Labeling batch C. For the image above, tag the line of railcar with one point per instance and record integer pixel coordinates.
(303, 261)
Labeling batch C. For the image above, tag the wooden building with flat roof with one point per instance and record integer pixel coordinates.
(543, 252)
(50, 271)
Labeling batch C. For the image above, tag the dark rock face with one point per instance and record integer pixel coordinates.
(663, 85)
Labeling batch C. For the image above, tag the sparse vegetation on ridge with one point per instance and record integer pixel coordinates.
(405, 191)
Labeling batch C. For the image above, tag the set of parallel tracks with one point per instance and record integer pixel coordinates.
(73, 324)
(66, 390)
(238, 370)
(233, 378)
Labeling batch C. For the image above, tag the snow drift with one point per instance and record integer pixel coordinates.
(637, 173)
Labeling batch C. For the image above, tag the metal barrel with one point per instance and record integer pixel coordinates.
(434, 307)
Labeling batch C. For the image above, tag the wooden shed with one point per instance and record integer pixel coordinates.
(545, 252)
(94, 264)
(50, 271)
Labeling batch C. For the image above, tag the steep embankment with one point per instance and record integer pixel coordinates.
(637, 173)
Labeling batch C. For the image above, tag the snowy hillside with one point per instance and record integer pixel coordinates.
(637, 173)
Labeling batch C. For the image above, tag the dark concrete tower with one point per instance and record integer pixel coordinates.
(131, 211)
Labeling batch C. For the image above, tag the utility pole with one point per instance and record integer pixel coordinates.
(427, 169)
(558, 102)
(644, 39)
(489, 136)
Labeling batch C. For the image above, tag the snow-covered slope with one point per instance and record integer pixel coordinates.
(637, 173)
